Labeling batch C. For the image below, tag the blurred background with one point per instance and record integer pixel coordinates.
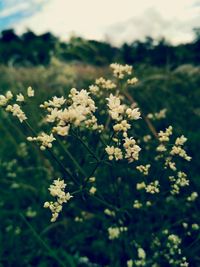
(54, 45)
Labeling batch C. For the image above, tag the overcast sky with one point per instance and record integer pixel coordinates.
(116, 20)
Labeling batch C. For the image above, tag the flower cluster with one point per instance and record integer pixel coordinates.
(158, 115)
(137, 204)
(43, 139)
(153, 187)
(177, 183)
(79, 113)
(57, 190)
(178, 150)
(173, 245)
(144, 169)
(141, 261)
(132, 149)
(121, 114)
(114, 232)
(114, 153)
(192, 197)
(4, 99)
(119, 71)
(103, 83)
(17, 112)
(164, 135)
(132, 81)
(116, 109)
(15, 109)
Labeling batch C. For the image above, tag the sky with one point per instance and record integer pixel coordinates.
(116, 21)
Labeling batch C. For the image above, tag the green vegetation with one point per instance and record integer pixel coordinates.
(30, 49)
(80, 236)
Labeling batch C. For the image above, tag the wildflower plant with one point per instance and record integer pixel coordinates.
(131, 181)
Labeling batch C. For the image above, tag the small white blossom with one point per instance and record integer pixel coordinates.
(57, 191)
(30, 92)
(17, 112)
(113, 233)
(119, 71)
(20, 98)
(105, 84)
(192, 197)
(115, 108)
(133, 114)
(137, 204)
(164, 136)
(114, 153)
(44, 139)
(132, 81)
(153, 187)
(144, 169)
(92, 190)
(132, 149)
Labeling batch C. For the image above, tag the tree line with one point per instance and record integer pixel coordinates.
(30, 49)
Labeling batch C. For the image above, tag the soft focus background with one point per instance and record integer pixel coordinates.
(54, 45)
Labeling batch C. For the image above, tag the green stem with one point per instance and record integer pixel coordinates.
(54, 157)
(87, 147)
(66, 151)
(98, 163)
(51, 252)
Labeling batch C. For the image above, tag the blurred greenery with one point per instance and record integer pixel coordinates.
(30, 49)
(169, 78)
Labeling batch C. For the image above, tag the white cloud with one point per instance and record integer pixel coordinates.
(13, 9)
(154, 25)
(98, 18)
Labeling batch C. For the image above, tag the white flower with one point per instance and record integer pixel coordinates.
(109, 212)
(30, 92)
(92, 190)
(20, 98)
(114, 152)
(158, 115)
(180, 140)
(132, 81)
(132, 149)
(94, 89)
(119, 71)
(16, 111)
(161, 148)
(192, 197)
(140, 186)
(137, 204)
(133, 114)
(178, 150)
(115, 107)
(144, 169)
(113, 232)
(141, 253)
(105, 84)
(57, 189)
(45, 140)
(129, 263)
(123, 126)
(61, 130)
(3, 100)
(54, 115)
(164, 136)
(9, 95)
(153, 187)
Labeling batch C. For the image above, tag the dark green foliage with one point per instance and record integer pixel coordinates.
(24, 178)
(30, 49)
